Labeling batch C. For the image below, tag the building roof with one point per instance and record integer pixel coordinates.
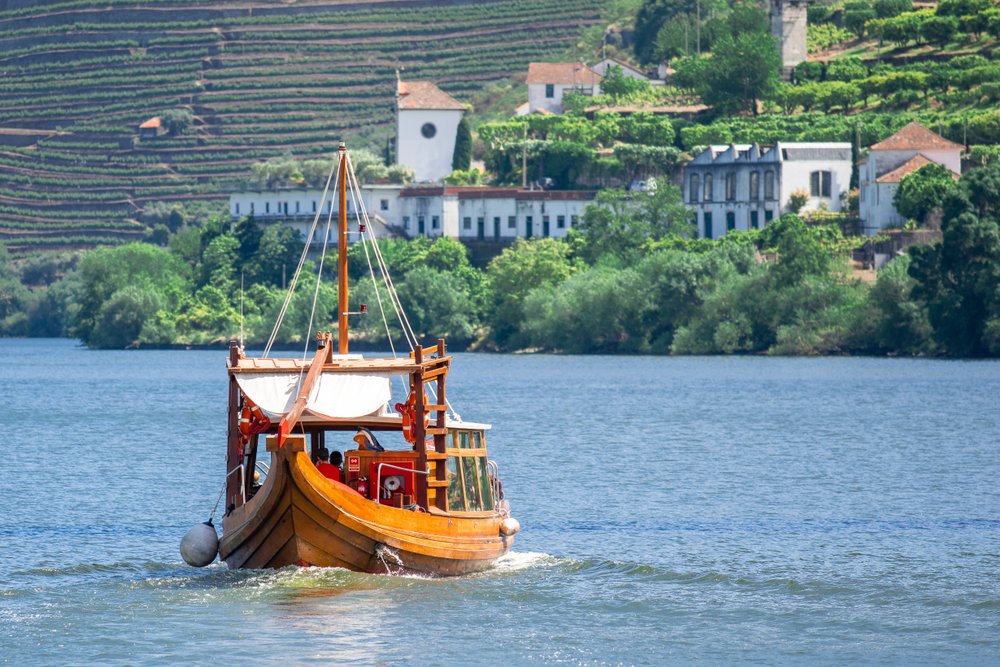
(907, 168)
(562, 73)
(151, 124)
(780, 152)
(916, 137)
(425, 95)
(488, 192)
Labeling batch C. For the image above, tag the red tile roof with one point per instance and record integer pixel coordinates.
(489, 192)
(911, 165)
(562, 73)
(152, 123)
(916, 137)
(425, 95)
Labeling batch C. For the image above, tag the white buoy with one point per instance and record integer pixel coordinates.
(509, 526)
(200, 545)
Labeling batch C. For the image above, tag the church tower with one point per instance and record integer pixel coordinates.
(426, 127)
(788, 25)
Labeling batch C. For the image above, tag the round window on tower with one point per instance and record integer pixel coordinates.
(428, 130)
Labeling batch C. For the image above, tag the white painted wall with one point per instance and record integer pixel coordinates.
(430, 158)
(537, 99)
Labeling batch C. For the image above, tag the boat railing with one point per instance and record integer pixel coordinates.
(493, 469)
(243, 491)
(378, 477)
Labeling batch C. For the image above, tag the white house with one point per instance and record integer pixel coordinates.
(627, 70)
(548, 82)
(427, 121)
(745, 186)
(479, 213)
(887, 162)
(467, 213)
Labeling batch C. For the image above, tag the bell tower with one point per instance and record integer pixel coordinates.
(788, 25)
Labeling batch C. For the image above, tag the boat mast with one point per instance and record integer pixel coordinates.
(342, 252)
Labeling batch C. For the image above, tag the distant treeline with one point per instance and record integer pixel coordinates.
(628, 279)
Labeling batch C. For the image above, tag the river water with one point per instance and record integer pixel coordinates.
(674, 510)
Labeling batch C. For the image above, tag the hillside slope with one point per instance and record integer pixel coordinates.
(261, 79)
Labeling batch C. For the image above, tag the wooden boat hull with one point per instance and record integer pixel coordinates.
(300, 517)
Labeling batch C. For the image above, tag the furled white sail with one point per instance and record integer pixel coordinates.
(335, 395)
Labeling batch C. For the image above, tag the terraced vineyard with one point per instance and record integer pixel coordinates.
(261, 79)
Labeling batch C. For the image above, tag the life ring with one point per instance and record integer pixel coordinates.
(408, 412)
(253, 421)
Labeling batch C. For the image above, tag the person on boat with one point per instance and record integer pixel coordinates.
(329, 470)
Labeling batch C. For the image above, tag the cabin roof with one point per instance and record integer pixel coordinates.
(569, 74)
(916, 137)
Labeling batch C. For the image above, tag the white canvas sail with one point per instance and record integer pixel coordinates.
(334, 396)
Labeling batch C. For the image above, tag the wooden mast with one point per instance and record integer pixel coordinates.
(342, 252)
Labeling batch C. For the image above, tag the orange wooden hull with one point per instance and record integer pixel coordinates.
(300, 517)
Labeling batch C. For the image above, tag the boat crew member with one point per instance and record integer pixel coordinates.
(331, 471)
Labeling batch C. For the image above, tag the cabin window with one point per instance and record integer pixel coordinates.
(470, 488)
(550, 90)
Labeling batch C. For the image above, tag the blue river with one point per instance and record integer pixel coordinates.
(673, 511)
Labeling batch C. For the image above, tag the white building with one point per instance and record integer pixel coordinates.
(426, 126)
(467, 213)
(744, 186)
(471, 213)
(548, 82)
(627, 70)
(887, 162)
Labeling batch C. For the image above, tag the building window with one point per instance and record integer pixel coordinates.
(267, 207)
(730, 221)
(708, 187)
(730, 186)
(768, 184)
(285, 210)
(561, 221)
(435, 222)
(529, 226)
(314, 206)
(251, 207)
(428, 130)
(420, 223)
(466, 223)
(768, 215)
(406, 221)
(708, 223)
(754, 185)
(298, 207)
(550, 90)
(237, 208)
(384, 204)
(693, 188)
(819, 183)
(754, 222)
(511, 222)
(573, 220)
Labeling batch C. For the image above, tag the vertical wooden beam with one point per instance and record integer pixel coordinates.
(417, 388)
(342, 252)
(233, 431)
(441, 439)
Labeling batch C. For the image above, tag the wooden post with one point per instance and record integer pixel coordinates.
(342, 303)
(441, 439)
(417, 388)
(233, 457)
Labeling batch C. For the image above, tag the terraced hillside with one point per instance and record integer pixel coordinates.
(260, 80)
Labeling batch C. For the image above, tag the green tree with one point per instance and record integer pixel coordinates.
(621, 88)
(800, 253)
(743, 69)
(886, 9)
(462, 157)
(437, 306)
(923, 191)
(959, 278)
(520, 268)
(901, 323)
(856, 15)
(939, 30)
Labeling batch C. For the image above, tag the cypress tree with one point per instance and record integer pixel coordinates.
(462, 157)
